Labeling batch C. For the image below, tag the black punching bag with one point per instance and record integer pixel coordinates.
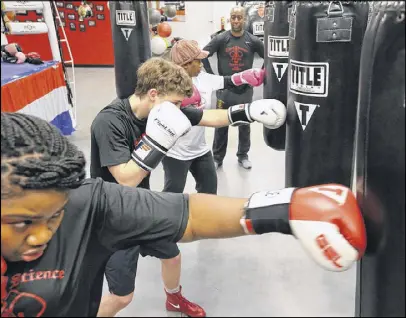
(276, 42)
(380, 163)
(325, 39)
(131, 40)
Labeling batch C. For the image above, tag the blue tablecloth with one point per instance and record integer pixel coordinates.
(11, 72)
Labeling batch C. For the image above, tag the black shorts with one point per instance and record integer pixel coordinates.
(121, 268)
(169, 228)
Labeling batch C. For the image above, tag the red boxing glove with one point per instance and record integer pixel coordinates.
(253, 77)
(33, 55)
(328, 222)
(325, 219)
(195, 99)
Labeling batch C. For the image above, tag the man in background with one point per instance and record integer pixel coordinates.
(235, 50)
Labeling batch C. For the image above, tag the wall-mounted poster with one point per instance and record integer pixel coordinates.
(172, 10)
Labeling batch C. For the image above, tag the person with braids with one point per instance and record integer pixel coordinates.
(58, 230)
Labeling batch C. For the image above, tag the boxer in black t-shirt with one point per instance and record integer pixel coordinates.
(120, 140)
(58, 230)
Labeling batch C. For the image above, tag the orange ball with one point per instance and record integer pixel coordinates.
(164, 29)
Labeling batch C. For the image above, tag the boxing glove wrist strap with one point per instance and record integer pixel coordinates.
(239, 115)
(268, 211)
(148, 154)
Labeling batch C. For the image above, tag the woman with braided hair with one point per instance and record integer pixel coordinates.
(58, 230)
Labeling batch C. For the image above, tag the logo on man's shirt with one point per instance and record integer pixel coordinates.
(236, 54)
(14, 301)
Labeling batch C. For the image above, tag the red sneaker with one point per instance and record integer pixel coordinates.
(176, 302)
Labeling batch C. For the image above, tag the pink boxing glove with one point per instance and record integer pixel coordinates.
(20, 57)
(253, 77)
(194, 100)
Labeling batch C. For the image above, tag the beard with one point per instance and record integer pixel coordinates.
(237, 28)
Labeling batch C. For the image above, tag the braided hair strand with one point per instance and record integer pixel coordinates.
(34, 155)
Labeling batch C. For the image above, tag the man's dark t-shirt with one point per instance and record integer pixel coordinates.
(234, 54)
(99, 219)
(114, 134)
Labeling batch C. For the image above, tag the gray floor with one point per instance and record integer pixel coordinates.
(266, 276)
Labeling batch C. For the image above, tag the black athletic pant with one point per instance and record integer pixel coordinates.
(202, 169)
(225, 99)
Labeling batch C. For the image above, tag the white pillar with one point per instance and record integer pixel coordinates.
(3, 39)
(53, 39)
(3, 36)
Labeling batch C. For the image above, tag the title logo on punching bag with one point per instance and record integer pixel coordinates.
(310, 79)
(278, 46)
(258, 28)
(125, 18)
(305, 113)
(126, 32)
(279, 69)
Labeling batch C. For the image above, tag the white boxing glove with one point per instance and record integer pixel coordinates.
(270, 112)
(166, 124)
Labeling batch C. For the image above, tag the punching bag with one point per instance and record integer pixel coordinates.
(325, 39)
(131, 41)
(380, 163)
(276, 43)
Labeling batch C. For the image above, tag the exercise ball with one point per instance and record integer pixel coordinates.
(164, 29)
(158, 45)
(170, 11)
(154, 16)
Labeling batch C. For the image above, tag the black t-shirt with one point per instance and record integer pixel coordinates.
(234, 54)
(114, 134)
(99, 219)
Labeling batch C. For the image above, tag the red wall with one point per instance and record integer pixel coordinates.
(91, 45)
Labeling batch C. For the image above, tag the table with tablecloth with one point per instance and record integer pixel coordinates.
(38, 90)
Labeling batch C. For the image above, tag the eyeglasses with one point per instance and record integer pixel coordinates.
(237, 17)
